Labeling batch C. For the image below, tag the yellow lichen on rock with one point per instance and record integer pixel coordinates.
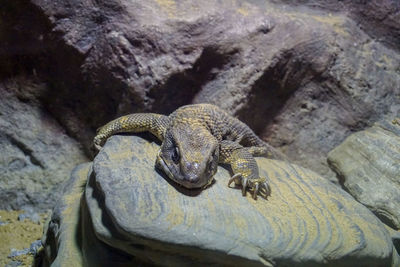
(168, 6)
(130, 207)
(336, 21)
(15, 234)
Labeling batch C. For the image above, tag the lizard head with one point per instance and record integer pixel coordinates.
(189, 155)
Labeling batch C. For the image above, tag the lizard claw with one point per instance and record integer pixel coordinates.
(97, 147)
(254, 184)
(98, 142)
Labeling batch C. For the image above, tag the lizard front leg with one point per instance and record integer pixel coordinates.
(244, 167)
(134, 123)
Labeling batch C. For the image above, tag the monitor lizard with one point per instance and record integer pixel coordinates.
(195, 138)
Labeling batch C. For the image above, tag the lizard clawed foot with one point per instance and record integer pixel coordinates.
(256, 184)
(98, 141)
(97, 147)
(97, 144)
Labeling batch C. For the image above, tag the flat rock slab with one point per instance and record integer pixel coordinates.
(368, 163)
(306, 221)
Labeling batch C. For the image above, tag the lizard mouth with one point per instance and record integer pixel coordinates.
(199, 183)
(160, 163)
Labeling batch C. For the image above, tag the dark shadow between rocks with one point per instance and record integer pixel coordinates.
(105, 218)
(271, 91)
(91, 249)
(24, 35)
(181, 87)
(76, 104)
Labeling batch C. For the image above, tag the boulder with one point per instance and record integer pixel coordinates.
(378, 18)
(36, 152)
(368, 165)
(132, 214)
(69, 239)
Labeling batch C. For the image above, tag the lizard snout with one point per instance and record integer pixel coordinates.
(192, 178)
(194, 174)
(190, 168)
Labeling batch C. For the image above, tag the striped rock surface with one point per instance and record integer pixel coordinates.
(306, 221)
(119, 211)
(368, 163)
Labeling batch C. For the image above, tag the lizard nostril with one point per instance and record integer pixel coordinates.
(191, 167)
(193, 178)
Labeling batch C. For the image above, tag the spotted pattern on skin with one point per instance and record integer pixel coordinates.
(195, 138)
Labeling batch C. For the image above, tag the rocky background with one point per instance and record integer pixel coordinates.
(304, 75)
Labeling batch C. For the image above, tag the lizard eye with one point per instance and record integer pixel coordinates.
(175, 155)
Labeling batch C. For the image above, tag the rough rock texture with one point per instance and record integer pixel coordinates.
(68, 237)
(20, 240)
(130, 207)
(36, 154)
(377, 18)
(368, 164)
(303, 74)
(64, 222)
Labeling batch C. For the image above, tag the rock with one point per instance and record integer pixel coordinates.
(16, 252)
(68, 237)
(30, 214)
(33, 249)
(378, 18)
(19, 239)
(312, 73)
(368, 165)
(13, 264)
(61, 239)
(131, 213)
(35, 246)
(36, 153)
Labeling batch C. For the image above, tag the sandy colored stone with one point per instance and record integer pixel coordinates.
(61, 237)
(307, 220)
(36, 153)
(121, 212)
(368, 164)
(69, 239)
(19, 235)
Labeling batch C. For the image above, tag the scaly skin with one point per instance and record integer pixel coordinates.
(195, 138)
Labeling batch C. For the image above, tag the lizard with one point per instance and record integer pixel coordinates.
(195, 139)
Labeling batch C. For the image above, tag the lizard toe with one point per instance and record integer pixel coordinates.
(244, 185)
(235, 178)
(256, 185)
(255, 190)
(267, 188)
(259, 186)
